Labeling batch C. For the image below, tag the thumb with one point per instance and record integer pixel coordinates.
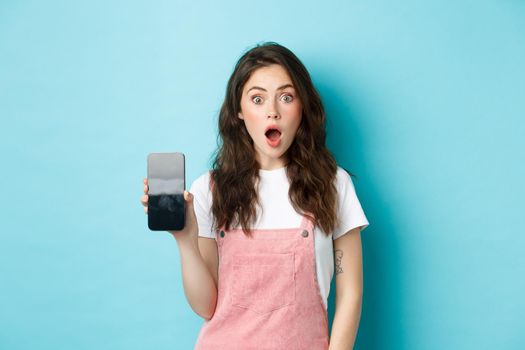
(188, 197)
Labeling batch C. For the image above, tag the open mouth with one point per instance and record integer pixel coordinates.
(273, 134)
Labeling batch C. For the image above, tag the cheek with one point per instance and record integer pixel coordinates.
(295, 123)
(254, 123)
(294, 111)
(250, 111)
(295, 116)
(250, 116)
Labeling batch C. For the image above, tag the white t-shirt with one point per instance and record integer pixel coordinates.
(278, 212)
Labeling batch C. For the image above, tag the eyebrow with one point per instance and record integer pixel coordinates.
(279, 88)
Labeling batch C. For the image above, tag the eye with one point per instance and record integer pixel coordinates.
(288, 98)
(257, 99)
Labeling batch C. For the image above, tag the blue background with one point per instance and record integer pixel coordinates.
(425, 101)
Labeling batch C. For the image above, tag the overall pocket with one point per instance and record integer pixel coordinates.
(263, 282)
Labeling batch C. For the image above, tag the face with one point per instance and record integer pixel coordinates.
(270, 101)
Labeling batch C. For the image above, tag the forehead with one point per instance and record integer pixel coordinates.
(269, 77)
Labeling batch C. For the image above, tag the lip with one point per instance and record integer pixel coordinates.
(273, 126)
(273, 143)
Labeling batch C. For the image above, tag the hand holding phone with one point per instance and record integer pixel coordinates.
(191, 227)
(168, 205)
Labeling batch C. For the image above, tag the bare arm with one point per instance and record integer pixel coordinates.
(199, 261)
(349, 290)
(198, 274)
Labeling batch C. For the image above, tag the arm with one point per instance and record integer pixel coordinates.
(199, 264)
(199, 260)
(349, 290)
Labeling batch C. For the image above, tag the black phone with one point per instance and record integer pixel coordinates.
(166, 185)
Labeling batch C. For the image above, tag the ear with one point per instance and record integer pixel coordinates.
(240, 115)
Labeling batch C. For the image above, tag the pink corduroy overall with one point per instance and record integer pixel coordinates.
(268, 294)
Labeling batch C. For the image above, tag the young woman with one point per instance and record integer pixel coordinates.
(273, 219)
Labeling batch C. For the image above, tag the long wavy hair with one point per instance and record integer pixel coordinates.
(311, 169)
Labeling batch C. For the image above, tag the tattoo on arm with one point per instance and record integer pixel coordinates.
(338, 258)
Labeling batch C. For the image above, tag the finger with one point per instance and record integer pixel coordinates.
(146, 189)
(144, 199)
(189, 204)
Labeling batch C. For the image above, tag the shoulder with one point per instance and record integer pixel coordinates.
(343, 179)
(202, 200)
(202, 180)
(200, 187)
(350, 211)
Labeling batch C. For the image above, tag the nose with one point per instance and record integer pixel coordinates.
(272, 109)
(272, 114)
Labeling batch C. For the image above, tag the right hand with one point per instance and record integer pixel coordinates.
(191, 228)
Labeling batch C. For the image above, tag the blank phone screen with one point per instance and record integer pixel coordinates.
(166, 184)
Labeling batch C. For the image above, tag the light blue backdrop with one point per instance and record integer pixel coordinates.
(425, 101)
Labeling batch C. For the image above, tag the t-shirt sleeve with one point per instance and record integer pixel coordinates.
(202, 205)
(351, 214)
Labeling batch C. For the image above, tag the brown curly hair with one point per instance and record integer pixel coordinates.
(311, 169)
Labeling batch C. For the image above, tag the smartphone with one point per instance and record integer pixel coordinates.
(166, 185)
